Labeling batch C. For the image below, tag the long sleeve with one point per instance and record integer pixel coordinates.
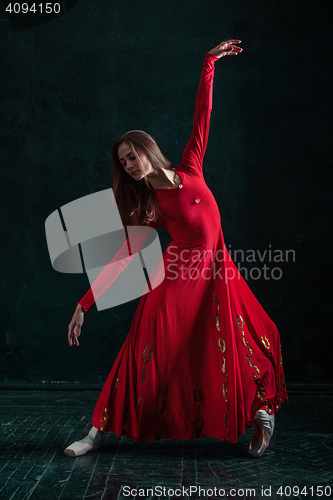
(133, 244)
(192, 157)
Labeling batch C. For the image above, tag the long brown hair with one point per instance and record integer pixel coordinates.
(136, 200)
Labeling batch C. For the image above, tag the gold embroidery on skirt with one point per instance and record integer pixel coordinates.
(256, 374)
(226, 424)
(281, 362)
(223, 365)
(240, 321)
(216, 301)
(224, 393)
(269, 407)
(272, 360)
(143, 376)
(249, 361)
(258, 395)
(246, 343)
(262, 389)
(257, 370)
(261, 393)
(222, 349)
(163, 390)
(217, 321)
(283, 382)
(265, 342)
(104, 418)
(116, 383)
(145, 352)
(240, 324)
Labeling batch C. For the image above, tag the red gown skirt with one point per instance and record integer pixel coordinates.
(202, 356)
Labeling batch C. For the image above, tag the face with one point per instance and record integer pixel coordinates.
(133, 167)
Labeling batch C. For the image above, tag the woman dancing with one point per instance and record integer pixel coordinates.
(202, 357)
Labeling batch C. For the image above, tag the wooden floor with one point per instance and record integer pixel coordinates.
(36, 426)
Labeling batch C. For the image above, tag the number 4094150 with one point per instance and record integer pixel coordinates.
(36, 8)
(312, 491)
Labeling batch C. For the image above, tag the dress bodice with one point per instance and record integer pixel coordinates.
(190, 214)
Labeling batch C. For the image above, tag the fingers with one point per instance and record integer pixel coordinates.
(232, 50)
(229, 46)
(229, 43)
(74, 332)
(233, 41)
(235, 49)
(70, 331)
(76, 335)
(226, 48)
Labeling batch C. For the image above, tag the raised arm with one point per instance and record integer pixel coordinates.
(192, 157)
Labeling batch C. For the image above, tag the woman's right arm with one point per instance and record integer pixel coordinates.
(133, 244)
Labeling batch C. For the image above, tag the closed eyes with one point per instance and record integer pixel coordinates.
(124, 164)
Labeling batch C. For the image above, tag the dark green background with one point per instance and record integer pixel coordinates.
(71, 86)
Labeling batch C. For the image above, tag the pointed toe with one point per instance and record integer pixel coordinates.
(264, 428)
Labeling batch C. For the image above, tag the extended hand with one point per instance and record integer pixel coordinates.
(226, 49)
(74, 327)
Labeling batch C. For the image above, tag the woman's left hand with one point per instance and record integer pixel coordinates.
(226, 49)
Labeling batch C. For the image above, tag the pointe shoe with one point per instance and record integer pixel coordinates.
(89, 443)
(264, 428)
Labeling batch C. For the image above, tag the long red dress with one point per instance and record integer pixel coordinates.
(202, 355)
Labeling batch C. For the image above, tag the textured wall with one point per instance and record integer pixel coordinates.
(70, 86)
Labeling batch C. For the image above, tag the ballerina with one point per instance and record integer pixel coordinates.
(202, 357)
